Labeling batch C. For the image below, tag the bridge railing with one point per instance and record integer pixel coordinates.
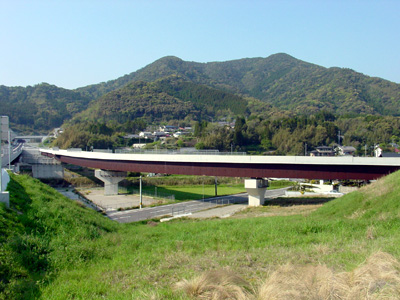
(178, 151)
(156, 151)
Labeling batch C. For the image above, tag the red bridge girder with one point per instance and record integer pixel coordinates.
(259, 170)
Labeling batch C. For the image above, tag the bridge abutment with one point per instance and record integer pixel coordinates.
(53, 171)
(256, 189)
(42, 167)
(111, 180)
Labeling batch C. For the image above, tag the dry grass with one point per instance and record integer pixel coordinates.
(380, 187)
(357, 214)
(377, 278)
(273, 211)
(370, 233)
(216, 285)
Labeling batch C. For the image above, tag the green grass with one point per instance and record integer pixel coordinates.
(196, 192)
(77, 254)
(200, 191)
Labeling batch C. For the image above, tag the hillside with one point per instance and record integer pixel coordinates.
(165, 99)
(281, 80)
(41, 107)
(42, 233)
(51, 248)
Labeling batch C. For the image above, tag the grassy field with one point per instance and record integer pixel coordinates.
(198, 191)
(54, 249)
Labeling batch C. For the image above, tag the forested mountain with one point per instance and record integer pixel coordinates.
(169, 98)
(41, 107)
(281, 80)
(210, 89)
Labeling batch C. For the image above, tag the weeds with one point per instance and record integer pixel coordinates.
(378, 278)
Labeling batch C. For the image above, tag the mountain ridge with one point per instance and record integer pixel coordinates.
(279, 80)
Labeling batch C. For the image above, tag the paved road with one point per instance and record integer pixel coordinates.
(183, 208)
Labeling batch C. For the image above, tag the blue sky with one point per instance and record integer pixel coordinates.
(75, 43)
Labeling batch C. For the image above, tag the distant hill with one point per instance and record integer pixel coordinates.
(165, 99)
(281, 80)
(41, 107)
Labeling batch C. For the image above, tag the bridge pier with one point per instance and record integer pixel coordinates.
(4, 196)
(256, 188)
(111, 180)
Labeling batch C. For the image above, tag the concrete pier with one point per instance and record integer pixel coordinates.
(5, 179)
(256, 189)
(5, 198)
(111, 180)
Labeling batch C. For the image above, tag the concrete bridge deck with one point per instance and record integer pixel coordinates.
(345, 167)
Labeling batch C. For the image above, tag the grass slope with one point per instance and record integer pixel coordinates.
(42, 233)
(144, 261)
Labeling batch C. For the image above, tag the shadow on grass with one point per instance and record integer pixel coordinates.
(27, 252)
(283, 201)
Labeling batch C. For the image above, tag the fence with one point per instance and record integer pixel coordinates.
(154, 194)
(176, 209)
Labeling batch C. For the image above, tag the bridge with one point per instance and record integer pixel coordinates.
(9, 156)
(39, 138)
(114, 165)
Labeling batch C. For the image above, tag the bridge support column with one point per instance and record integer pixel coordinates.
(5, 178)
(5, 198)
(256, 190)
(111, 180)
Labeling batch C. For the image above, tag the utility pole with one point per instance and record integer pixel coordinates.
(9, 149)
(216, 184)
(1, 164)
(140, 192)
(338, 137)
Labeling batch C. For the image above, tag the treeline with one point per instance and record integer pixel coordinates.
(289, 135)
(41, 107)
(98, 135)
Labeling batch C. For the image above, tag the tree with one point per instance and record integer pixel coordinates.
(240, 129)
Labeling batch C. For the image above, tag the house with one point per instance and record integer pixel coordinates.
(168, 128)
(323, 151)
(346, 150)
(378, 151)
(145, 134)
(180, 133)
(159, 133)
(390, 154)
(138, 146)
(131, 136)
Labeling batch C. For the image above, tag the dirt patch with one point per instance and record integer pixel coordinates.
(271, 211)
(121, 201)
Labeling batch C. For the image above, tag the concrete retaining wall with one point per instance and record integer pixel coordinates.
(347, 189)
(48, 171)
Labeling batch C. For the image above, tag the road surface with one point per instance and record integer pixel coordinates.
(183, 208)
